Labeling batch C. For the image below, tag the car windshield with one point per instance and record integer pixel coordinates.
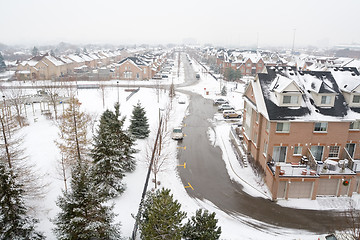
(177, 130)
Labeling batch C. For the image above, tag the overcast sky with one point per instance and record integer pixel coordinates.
(222, 22)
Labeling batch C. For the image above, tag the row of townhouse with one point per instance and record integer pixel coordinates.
(303, 127)
(249, 63)
(47, 66)
(142, 67)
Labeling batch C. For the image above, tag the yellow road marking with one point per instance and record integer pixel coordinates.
(185, 135)
(184, 165)
(189, 186)
(182, 147)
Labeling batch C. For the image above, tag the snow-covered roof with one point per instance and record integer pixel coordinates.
(54, 60)
(76, 58)
(278, 78)
(348, 79)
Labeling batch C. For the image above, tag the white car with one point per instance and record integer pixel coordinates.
(182, 100)
(225, 107)
(177, 133)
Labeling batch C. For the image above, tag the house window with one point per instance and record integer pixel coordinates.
(282, 127)
(249, 64)
(355, 125)
(255, 138)
(334, 151)
(265, 148)
(297, 150)
(279, 154)
(290, 99)
(267, 128)
(257, 117)
(137, 75)
(317, 152)
(125, 68)
(320, 127)
(325, 99)
(356, 99)
(144, 70)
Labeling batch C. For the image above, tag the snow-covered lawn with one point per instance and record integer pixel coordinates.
(41, 149)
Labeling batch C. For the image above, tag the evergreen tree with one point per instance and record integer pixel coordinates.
(202, 226)
(139, 126)
(83, 213)
(14, 223)
(35, 51)
(160, 216)
(223, 91)
(112, 153)
(2, 63)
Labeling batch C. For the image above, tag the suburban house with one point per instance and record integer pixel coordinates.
(41, 67)
(133, 68)
(303, 127)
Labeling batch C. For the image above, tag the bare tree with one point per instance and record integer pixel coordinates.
(73, 142)
(161, 153)
(352, 231)
(13, 155)
(53, 90)
(14, 99)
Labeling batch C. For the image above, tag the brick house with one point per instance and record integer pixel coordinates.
(304, 129)
(41, 68)
(133, 68)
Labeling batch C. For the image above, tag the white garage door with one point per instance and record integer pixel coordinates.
(300, 189)
(281, 190)
(327, 187)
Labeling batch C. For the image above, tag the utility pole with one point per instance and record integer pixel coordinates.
(146, 181)
(293, 43)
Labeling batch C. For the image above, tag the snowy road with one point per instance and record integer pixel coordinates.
(206, 172)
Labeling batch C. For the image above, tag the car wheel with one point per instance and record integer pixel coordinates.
(227, 117)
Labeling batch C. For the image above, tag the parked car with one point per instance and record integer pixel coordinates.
(198, 76)
(177, 133)
(182, 100)
(220, 101)
(231, 114)
(225, 107)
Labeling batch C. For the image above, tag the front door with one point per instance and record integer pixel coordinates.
(317, 152)
(350, 147)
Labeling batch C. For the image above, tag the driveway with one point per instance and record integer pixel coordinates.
(206, 173)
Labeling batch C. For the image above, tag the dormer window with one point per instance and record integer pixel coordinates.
(326, 100)
(356, 99)
(290, 99)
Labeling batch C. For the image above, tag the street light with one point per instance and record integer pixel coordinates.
(117, 84)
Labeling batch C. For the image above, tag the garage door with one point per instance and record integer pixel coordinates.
(327, 187)
(281, 190)
(300, 189)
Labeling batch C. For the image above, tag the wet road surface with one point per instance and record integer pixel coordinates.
(206, 172)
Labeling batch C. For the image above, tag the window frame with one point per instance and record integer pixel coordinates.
(332, 153)
(283, 124)
(298, 152)
(357, 97)
(356, 127)
(320, 127)
(327, 100)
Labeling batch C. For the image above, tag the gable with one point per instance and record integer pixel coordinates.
(292, 87)
(249, 93)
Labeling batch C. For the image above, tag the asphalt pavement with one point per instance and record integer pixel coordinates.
(206, 173)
